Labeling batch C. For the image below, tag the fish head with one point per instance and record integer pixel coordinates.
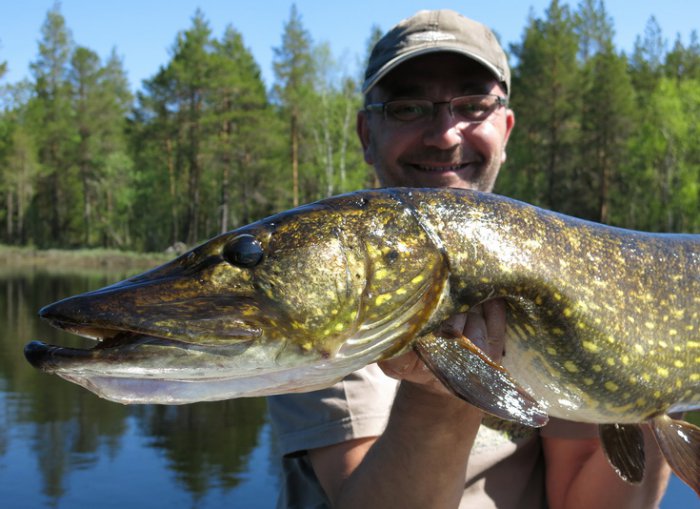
(290, 303)
(258, 310)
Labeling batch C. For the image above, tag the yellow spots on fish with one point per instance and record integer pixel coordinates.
(567, 312)
(639, 349)
(611, 339)
(650, 325)
(610, 361)
(646, 377)
(581, 325)
(401, 291)
(485, 280)
(590, 346)
(641, 402)
(464, 308)
(381, 273)
(529, 329)
(620, 409)
(678, 364)
(570, 367)
(695, 377)
(625, 360)
(678, 314)
(657, 394)
(480, 263)
(611, 386)
(557, 331)
(663, 344)
(597, 368)
(661, 371)
(339, 327)
(334, 312)
(588, 381)
(693, 344)
(630, 319)
(538, 300)
(551, 350)
(381, 299)
(418, 279)
(372, 251)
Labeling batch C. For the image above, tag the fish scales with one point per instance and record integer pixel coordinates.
(611, 315)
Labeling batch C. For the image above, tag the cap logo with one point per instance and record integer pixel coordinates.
(432, 36)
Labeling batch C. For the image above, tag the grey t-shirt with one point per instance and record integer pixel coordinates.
(504, 454)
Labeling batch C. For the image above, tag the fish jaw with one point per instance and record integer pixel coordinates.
(143, 369)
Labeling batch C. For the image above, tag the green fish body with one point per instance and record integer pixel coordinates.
(603, 323)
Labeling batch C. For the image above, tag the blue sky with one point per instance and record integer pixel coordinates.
(142, 31)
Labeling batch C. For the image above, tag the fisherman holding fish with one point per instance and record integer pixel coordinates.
(436, 115)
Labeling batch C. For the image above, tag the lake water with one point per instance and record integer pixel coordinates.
(62, 447)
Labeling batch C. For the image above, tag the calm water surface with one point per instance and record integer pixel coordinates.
(62, 447)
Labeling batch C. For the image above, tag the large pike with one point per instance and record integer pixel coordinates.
(603, 323)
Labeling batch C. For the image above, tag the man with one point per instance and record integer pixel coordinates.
(436, 115)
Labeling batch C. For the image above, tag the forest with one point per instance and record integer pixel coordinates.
(203, 146)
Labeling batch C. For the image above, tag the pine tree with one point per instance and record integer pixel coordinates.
(54, 217)
(545, 100)
(244, 130)
(294, 70)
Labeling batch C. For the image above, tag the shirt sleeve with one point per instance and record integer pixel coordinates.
(356, 407)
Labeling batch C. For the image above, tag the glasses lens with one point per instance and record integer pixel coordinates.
(409, 110)
(474, 108)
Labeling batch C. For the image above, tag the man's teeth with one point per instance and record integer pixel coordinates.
(440, 168)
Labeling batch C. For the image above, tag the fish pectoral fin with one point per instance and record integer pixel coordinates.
(624, 447)
(464, 369)
(680, 443)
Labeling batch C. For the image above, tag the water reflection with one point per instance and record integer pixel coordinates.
(53, 433)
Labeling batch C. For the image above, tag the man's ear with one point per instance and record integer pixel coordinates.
(363, 129)
(510, 122)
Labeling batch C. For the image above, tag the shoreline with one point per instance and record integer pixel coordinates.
(78, 259)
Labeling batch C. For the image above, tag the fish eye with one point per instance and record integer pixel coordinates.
(243, 251)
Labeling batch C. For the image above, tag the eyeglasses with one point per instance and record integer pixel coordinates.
(470, 108)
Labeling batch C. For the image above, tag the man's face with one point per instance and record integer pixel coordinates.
(442, 151)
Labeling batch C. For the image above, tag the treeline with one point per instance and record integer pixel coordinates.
(203, 147)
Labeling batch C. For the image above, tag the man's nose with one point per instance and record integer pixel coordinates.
(444, 131)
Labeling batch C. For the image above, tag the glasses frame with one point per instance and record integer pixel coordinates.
(382, 108)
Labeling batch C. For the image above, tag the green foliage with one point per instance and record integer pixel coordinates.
(204, 147)
(546, 92)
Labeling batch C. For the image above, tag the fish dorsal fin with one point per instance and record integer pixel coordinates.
(624, 447)
(680, 443)
(464, 369)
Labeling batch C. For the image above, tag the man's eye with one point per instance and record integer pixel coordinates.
(473, 109)
(407, 110)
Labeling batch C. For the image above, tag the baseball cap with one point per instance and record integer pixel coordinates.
(434, 31)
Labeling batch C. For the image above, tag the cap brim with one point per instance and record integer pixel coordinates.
(395, 62)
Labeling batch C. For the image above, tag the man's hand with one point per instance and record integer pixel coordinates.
(484, 325)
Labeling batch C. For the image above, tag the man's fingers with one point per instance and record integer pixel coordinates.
(486, 327)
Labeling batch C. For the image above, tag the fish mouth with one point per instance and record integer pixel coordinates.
(50, 358)
(116, 344)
